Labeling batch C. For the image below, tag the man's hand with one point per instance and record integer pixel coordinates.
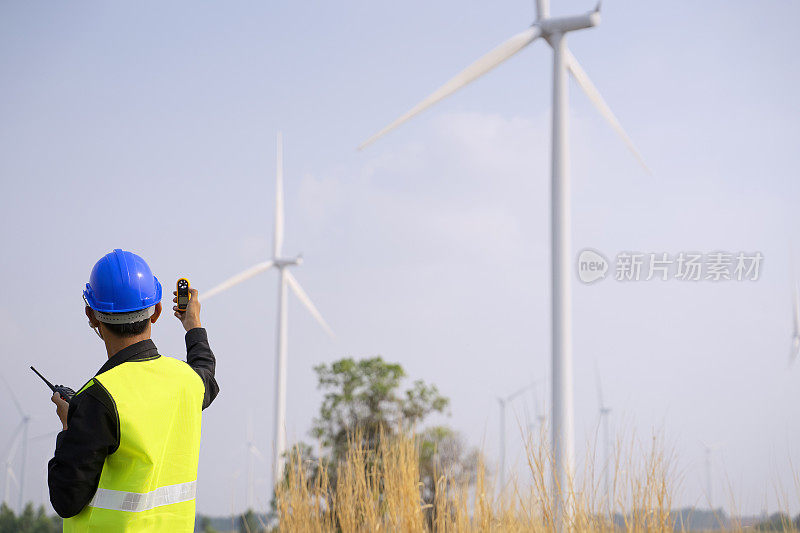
(191, 317)
(62, 407)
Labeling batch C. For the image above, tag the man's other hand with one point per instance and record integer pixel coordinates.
(190, 318)
(62, 407)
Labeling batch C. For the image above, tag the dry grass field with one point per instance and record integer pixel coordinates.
(382, 491)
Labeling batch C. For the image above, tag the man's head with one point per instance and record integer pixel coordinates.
(123, 297)
(123, 330)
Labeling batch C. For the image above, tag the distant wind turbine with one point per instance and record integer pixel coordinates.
(503, 403)
(709, 450)
(553, 30)
(9, 468)
(538, 426)
(796, 323)
(20, 431)
(49, 435)
(284, 278)
(537, 405)
(604, 412)
(252, 453)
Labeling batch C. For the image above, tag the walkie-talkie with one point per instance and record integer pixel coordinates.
(65, 392)
(183, 294)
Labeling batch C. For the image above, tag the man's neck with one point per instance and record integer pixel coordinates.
(115, 344)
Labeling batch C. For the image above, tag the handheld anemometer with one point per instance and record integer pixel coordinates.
(65, 392)
(183, 294)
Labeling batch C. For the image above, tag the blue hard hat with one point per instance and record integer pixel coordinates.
(121, 282)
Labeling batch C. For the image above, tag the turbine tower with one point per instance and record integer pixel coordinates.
(709, 450)
(796, 323)
(553, 30)
(604, 412)
(503, 403)
(21, 432)
(285, 277)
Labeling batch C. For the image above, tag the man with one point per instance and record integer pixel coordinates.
(127, 457)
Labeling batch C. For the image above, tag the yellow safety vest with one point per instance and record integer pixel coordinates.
(149, 482)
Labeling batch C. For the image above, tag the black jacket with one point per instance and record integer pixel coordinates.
(93, 425)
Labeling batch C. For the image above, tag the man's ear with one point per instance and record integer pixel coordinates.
(156, 313)
(92, 319)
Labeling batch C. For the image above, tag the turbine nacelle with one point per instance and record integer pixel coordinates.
(551, 26)
(281, 263)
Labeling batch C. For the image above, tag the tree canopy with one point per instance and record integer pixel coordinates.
(363, 397)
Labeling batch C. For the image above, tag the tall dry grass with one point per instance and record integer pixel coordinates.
(381, 491)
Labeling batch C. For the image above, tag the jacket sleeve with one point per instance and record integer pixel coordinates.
(92, 433)
(200, 357)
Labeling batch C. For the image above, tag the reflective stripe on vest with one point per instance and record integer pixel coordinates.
(148, 484)
(135, 502)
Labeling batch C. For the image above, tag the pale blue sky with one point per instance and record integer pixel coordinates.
(152, 127)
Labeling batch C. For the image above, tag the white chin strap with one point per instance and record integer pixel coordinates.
(125, 318)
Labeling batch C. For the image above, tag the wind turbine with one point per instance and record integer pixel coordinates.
(604, 412)
(553, 30)
(49, 435)
(709, 450)
(10, 476)
(20, 431)
(285, 277)
(537, 409)
(252, 453)
(503, 402)
(796, 323)
(537, 404)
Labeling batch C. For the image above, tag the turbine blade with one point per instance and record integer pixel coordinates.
(528, 422)
(594, 95)
(277, 243)
(10, 473)
(44, 436)
(12, 447)
(518, 392)
(301, 294)
(13, 396)
(235, 280)
(255, 451)
(472, 72)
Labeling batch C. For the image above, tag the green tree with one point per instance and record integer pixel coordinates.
(26, 520)
(205, 525)
(8, 521)
(443, 452)
(362, 397)
(779, 522)
(249, 523)
(29, 521)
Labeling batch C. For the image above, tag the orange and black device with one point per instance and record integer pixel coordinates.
(183, 294)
